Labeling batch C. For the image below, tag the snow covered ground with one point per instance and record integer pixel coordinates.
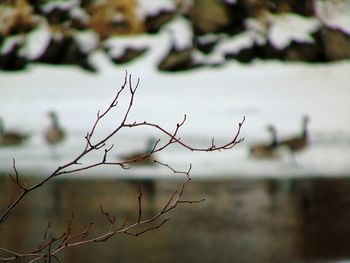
(214, 99)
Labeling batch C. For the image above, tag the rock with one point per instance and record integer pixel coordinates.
(65, 51)
(308, 52)
(57, 16)
(154, 22)
(178, 60)
(16, 18)
(206, 44)
(209, 16)
(12, 60)
(268, 51)
(111, 18)
(129, 55)
(335, 43)
(245, 55)
(257, 7)
(295, 51)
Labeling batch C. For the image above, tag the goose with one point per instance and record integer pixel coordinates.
(54, 134)
(266, 150)
(146, 161)
(300, 142)
(11, 138)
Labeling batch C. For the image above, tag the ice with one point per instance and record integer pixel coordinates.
(213, 99)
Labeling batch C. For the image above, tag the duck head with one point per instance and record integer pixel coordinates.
(271, 129)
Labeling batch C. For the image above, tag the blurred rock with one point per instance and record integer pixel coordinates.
(297, 51)
(336, 44)
(67, 16)
(57, 15)
(12, 59)
(110, 18)
(128, 55)
(65, 50)
(154, 22)
(177, 60)
(209, 16)
(245, 55)
(206, 43)
(16, 18)
(257, 7)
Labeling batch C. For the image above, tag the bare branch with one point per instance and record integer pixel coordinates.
(140, 204)
(50, 245)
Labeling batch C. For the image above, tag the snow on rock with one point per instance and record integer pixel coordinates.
(236, 43)
(232, 2)
(116, 46)
(37, 42)
(257, 28)
(287, 27)
(79, 14)
(279, 30)
(334, 14)
(11, 42)
(180, 32)
(147, 7)
(87, 40)
(59, 4)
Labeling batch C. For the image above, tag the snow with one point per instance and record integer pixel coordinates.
(180, 32)
(235, 44)
(59, 4)
(10, 42)
(37, 42)
(146, 7)
(87, 40)
(80, 14)
(213, 99)
(281, 29)
(287, 27)
(118, 45)
(334, 14)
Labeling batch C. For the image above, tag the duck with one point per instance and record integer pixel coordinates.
(299, 142)
(54, 134)
(149, 160)
(11, 138)
(268, 150)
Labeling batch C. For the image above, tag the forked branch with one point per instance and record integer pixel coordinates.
(51, 245)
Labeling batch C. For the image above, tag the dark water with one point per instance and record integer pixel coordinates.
(241, 220)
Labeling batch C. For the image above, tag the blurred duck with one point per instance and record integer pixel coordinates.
(148, 160)
(266, 150)
(300, 142)
(11, 138)
(55, 133)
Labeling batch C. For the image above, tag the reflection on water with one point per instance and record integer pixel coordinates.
(241, 220)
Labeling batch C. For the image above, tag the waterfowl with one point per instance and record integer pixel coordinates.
(266, 150)
(300, 142)
(54, 134)
(11, 138)
(149, 160)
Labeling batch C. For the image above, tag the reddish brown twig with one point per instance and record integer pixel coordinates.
(51, 245)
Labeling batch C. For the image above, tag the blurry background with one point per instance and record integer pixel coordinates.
(279, 196)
